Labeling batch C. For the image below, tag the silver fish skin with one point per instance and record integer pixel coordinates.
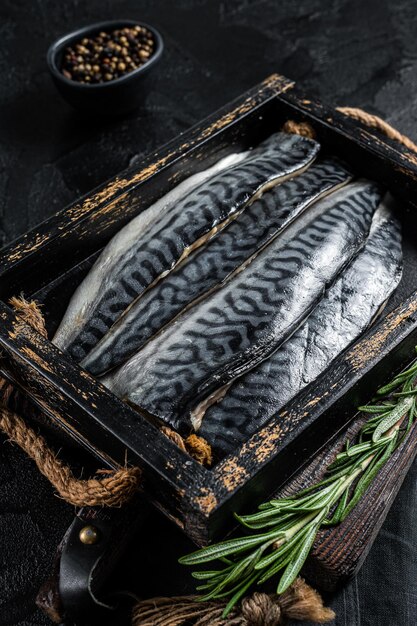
(186, 225)
(231, 332)
(344, 313)
(211, 265)
(87, 294)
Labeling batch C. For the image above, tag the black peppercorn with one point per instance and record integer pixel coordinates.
(106, 56)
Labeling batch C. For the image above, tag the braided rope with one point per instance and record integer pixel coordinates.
(299, 602)
(114, 488)
(368, 119)
(299, 128)
(195, 446)
(376, 122)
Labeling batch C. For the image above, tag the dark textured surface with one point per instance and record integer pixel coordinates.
(356, 53)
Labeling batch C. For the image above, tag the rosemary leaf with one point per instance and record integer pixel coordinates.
(224, 548)
(283, 530)
(293, 568)
(377, 408)
(400, 410)
(236, 597)
(367, 478)
(337, 515)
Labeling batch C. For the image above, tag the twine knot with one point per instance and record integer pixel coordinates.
(259, 610)
(198, 448)
(112, 488)
(299, 128)
(29, 313)
(299, 602)
(195, 446)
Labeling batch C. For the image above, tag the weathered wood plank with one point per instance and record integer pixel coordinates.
(339, 552)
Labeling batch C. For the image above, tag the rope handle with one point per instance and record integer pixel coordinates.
(112, 488)
(300, 602)
(368, 119)
(377, 123)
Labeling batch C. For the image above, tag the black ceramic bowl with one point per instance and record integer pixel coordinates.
(111, 98)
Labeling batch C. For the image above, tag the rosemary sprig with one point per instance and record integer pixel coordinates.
(282, 531)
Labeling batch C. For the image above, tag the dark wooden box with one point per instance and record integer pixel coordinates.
(48, 263)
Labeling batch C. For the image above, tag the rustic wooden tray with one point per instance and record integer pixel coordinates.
(49, 262)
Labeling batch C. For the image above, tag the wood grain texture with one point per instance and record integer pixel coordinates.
(339, 552)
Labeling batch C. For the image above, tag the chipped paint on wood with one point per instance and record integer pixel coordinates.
(36, 358)
(233, 474)
(205, 503)
(365, 350)
(265, 445)
(24, 247)
(274, 82)
(315, 401)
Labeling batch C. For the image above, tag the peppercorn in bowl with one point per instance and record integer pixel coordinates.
(102, 68)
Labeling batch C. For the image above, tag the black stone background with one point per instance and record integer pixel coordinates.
(344, 52)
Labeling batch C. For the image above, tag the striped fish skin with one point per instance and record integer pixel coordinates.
(343, 314)
(85, 297)
(208, 267)
(252, 315)
(186, 225)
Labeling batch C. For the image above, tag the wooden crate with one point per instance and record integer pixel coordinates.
(49, 262)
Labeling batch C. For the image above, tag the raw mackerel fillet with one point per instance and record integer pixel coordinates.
(211, 265)
(174, 234)
(88, 292)
(244, 322)
(344, 313)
